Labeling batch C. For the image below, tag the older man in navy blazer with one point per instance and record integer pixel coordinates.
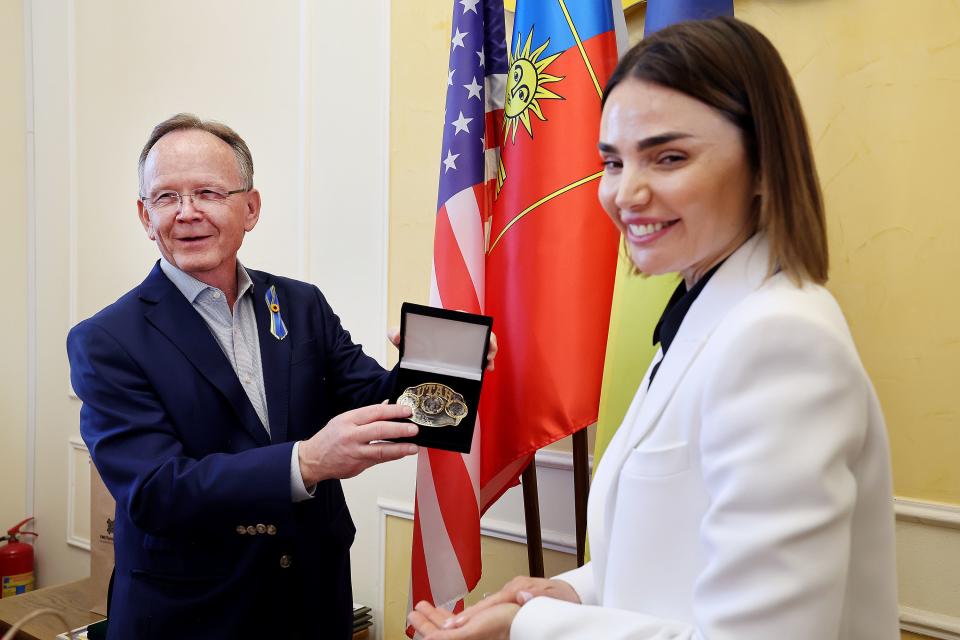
(222, 405)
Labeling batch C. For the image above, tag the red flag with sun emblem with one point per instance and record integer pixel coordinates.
(520, 237)
(552, 252)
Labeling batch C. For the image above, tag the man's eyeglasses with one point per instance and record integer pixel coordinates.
(166, 201)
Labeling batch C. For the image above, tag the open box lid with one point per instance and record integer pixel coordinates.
(445, 342)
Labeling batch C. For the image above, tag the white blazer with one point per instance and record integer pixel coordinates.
(747, 495)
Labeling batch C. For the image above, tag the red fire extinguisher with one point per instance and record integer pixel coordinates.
(16, 562)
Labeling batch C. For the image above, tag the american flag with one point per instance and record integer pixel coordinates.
(445, 562)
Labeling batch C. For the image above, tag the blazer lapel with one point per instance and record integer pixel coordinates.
(604, 487)
(743, 272)
(173, 315)
(274, 355)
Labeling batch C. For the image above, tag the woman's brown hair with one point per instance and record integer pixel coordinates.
(732, 67)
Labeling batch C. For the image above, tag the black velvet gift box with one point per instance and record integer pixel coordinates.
(443, 355)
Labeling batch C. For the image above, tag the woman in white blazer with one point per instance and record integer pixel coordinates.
(747, 495)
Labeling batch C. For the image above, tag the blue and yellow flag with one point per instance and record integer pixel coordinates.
(637, 301)
(277, 328)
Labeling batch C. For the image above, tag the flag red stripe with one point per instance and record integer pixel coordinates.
(420, 581)
(460, 511)
(493, 121)
(484, 194)
(453, 278)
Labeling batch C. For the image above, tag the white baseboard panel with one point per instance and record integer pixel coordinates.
(929, 513)
(78, 494)
(490, 527)
(930, 624)
(561, 460)
(926, 566)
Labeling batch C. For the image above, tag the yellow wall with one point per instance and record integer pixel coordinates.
(13, 265)
(880, 82)
(420, 40)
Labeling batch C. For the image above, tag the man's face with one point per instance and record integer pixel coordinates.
(199, 237)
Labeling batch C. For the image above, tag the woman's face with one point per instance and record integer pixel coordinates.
(676, 180)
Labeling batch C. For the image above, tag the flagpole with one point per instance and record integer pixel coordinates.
(531, 514)
(581, 489)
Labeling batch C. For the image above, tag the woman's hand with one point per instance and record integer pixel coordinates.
(492, 622)
(518, 591)
(485, 616)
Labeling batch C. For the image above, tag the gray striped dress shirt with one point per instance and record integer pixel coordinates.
(236, 333)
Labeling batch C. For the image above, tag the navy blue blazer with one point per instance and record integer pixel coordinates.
(184, 454)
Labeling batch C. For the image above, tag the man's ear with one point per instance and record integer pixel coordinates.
(145, 220)
(252, 211)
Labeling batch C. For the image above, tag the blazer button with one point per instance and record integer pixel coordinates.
(271, 530)
(252, 530)
(242, 530)
(285, 561)
(261, 528)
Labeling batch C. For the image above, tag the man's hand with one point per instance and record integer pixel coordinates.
(347, 445)
(393, 335)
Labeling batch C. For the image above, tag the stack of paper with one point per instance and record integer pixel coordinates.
(361, 617)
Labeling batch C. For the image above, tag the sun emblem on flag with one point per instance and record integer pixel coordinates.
(525, 86)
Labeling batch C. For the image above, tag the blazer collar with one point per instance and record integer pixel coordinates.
(742, 273)
(274, 353)
(173, 315)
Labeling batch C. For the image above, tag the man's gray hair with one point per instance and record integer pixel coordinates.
(183, 121)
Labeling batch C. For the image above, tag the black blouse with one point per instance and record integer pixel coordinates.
(674, 313)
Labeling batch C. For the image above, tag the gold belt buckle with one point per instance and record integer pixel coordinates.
(434, 405)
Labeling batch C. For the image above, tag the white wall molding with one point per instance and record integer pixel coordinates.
(930, 624)
(560, 460)
(306, 135)
(927, 513)
(31, 426)
(73, 215)
(927, 544)
(384, 508)
(490, 527)
(74, 538)
(384, 285)
(555, 540)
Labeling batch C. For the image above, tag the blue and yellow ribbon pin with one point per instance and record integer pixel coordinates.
(277, 328)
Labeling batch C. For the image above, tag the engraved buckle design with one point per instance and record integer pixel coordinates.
(434, 405)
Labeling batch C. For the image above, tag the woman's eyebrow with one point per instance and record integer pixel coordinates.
(663, 138)
(647, 143)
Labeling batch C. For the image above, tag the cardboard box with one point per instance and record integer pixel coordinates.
(102, 514)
